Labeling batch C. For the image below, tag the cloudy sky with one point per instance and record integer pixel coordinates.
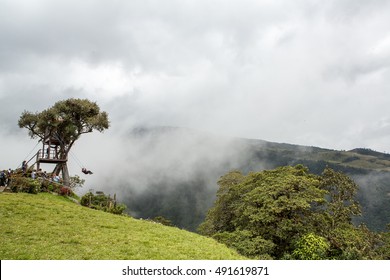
(305, 72)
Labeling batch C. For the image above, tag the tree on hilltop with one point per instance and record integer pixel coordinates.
(64, 122)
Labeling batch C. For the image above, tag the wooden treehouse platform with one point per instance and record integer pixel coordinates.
(51, 160)
(51, 157)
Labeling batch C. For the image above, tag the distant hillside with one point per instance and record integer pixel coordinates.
(274, 154)
(354, 161)
(173, 172)
(46, 226)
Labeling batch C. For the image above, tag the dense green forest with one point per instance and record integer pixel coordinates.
(289, 213)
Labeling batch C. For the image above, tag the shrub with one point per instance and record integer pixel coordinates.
(118, 209)
(86, 200)
(247, 244)
(164, 221)
(48, 186)
(311, 247)
(23, 184)
(65, 191)
(102, 202)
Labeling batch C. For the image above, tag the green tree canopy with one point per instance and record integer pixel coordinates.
(68, 118)
(66, 121)
(289, 213)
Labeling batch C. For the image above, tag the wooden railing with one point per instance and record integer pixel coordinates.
(50, 155)
(33, 157)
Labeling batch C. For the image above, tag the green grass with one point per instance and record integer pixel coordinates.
(47, 227)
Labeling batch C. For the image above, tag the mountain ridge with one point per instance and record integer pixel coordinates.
(347, 157)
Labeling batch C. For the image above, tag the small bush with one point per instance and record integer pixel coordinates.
(65, 191)
(164, 221)
(47, 186)
(86, 200)
(118, 209)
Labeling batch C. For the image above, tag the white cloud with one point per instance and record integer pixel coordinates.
(307, 72)
(102, 80)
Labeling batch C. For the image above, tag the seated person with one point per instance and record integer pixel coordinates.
(85, 171)
(56, 178)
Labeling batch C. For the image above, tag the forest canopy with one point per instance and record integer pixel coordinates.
(289, 213)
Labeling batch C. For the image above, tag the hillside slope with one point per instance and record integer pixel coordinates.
(46, 226)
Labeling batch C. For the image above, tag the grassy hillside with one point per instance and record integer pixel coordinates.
(46, 226)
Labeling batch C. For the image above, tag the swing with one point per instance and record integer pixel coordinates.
(83, 169)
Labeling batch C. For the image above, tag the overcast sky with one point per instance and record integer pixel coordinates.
(304, 72)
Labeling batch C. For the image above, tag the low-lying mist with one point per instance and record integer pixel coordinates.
(173, 172)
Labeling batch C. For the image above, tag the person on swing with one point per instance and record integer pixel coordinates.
(85, 171)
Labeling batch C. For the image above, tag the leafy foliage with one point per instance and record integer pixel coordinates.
(341, 192)
(102, 202)
(76, 182)
(68, 118)
(384, 250)
(311, 247)
(24, 184)
(49, 186)
(247, 243)
(290, 213)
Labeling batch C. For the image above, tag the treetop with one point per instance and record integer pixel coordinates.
(67, 118)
